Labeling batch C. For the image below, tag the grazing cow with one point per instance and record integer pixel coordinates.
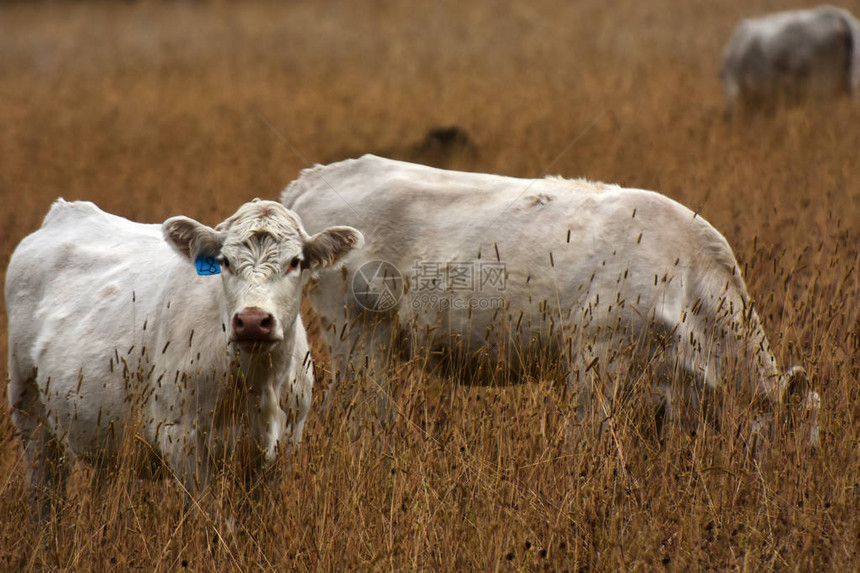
(791, 55)
(590, 276)
(112, 331)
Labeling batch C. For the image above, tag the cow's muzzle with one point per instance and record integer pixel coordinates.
(254, 325)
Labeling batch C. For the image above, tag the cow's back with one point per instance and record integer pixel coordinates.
(597, 279)
(85, 296)
(50, 281)
(569, 250)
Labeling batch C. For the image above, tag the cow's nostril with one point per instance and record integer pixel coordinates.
(238, 324)
(253, 324)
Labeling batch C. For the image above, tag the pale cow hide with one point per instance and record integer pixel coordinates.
(112, 332)
(593, 277)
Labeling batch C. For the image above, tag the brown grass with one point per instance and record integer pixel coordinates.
(153, 109)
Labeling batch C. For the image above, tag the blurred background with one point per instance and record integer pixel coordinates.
(153, 109)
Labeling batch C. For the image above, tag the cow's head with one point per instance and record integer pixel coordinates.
(262, 250)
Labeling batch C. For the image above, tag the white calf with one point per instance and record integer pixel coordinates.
(111, 330)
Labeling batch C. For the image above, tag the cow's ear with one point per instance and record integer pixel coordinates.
(190, 238)
(328, 248)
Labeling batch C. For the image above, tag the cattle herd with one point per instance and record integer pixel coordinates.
(190, 337)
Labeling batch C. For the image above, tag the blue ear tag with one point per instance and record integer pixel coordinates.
(207, 266)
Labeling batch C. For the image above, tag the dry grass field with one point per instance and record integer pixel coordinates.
(154, 109)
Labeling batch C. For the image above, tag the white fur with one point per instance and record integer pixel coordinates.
(597, 274)
(109, 325)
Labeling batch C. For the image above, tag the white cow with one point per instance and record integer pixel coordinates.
(112, 331)
(592, 276)
(791, 55)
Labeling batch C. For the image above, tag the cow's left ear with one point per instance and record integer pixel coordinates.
(328, 248)
(190, 238)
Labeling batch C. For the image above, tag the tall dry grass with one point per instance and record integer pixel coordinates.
(156, 109)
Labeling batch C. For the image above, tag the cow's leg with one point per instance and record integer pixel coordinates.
(47, 469)
(732, 91)
(362, 344)
(372, 348)
(330, 300)
(361, 353)
(611, 387)
(47, 472)
(595, 379)
(339, 353)
(643, 378)
(186, 457)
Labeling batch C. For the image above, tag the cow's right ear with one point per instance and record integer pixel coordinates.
(190, 238)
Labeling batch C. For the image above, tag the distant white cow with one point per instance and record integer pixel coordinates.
(791, 55)
(592, 276)
(111, 327)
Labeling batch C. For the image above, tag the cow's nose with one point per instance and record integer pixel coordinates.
(253, 324)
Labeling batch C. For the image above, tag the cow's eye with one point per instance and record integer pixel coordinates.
(295, 263)
(225, 263)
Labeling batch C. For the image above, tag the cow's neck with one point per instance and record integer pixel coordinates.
(249, 409)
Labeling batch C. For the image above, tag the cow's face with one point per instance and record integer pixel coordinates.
(262, 250)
